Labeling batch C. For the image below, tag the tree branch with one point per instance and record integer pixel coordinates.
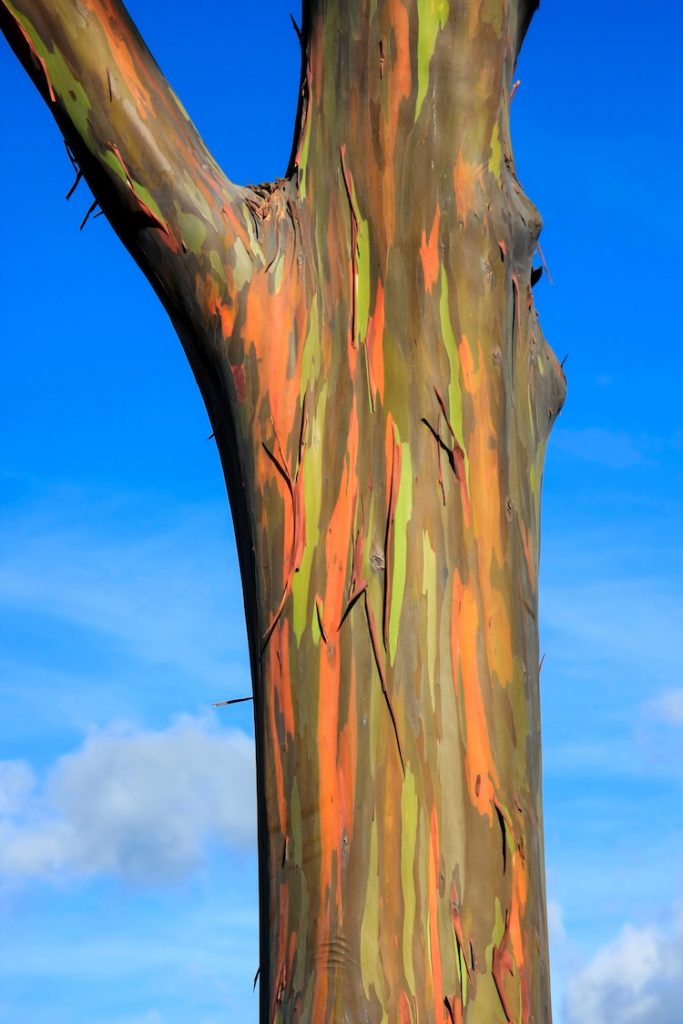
(149, 170)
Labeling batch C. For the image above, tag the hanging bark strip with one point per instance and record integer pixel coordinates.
(400, 825)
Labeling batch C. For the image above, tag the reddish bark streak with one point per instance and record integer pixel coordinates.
(140, 202)
(457, 928)
(503, 964)
(41, 61)
(240, 381)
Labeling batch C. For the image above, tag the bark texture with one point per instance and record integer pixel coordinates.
(365, 339)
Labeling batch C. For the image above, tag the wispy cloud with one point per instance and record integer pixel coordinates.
(556, 922)
(168, 594)
(636, 978)
(133, 803)
(104, 956)
(624, 618)
(668, 707)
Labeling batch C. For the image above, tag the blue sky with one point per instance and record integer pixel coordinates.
(127, 865)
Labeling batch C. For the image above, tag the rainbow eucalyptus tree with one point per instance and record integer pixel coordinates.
(364, 337)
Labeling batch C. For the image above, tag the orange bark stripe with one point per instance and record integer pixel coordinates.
(480, 768)
(405, 1015)
(429, 254)
(122, 50)
(488, 517)
(267, 327)
(216, 306)
(466, 176)
(520, 886)
(319, 1007)
(473, 21)
(509, 957)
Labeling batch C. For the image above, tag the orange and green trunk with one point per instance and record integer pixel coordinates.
(364, 335)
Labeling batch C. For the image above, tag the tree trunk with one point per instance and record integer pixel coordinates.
(364, 336)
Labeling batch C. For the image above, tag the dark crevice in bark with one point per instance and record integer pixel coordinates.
(303, 32)
(503, 836)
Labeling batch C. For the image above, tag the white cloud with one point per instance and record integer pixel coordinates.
(138, 804)
(16, 782)
(669, 707)
(556, 922)
(635, 979)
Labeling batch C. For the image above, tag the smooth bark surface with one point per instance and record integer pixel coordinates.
(364, 336)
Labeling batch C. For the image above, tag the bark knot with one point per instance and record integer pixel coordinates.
(377, 563)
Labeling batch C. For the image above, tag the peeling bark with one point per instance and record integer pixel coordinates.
(364, 336)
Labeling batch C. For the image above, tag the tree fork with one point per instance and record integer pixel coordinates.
(364, 336)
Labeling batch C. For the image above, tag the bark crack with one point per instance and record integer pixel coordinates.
(454, 452)
(348, 187)
(372, 629)
(294, 484)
